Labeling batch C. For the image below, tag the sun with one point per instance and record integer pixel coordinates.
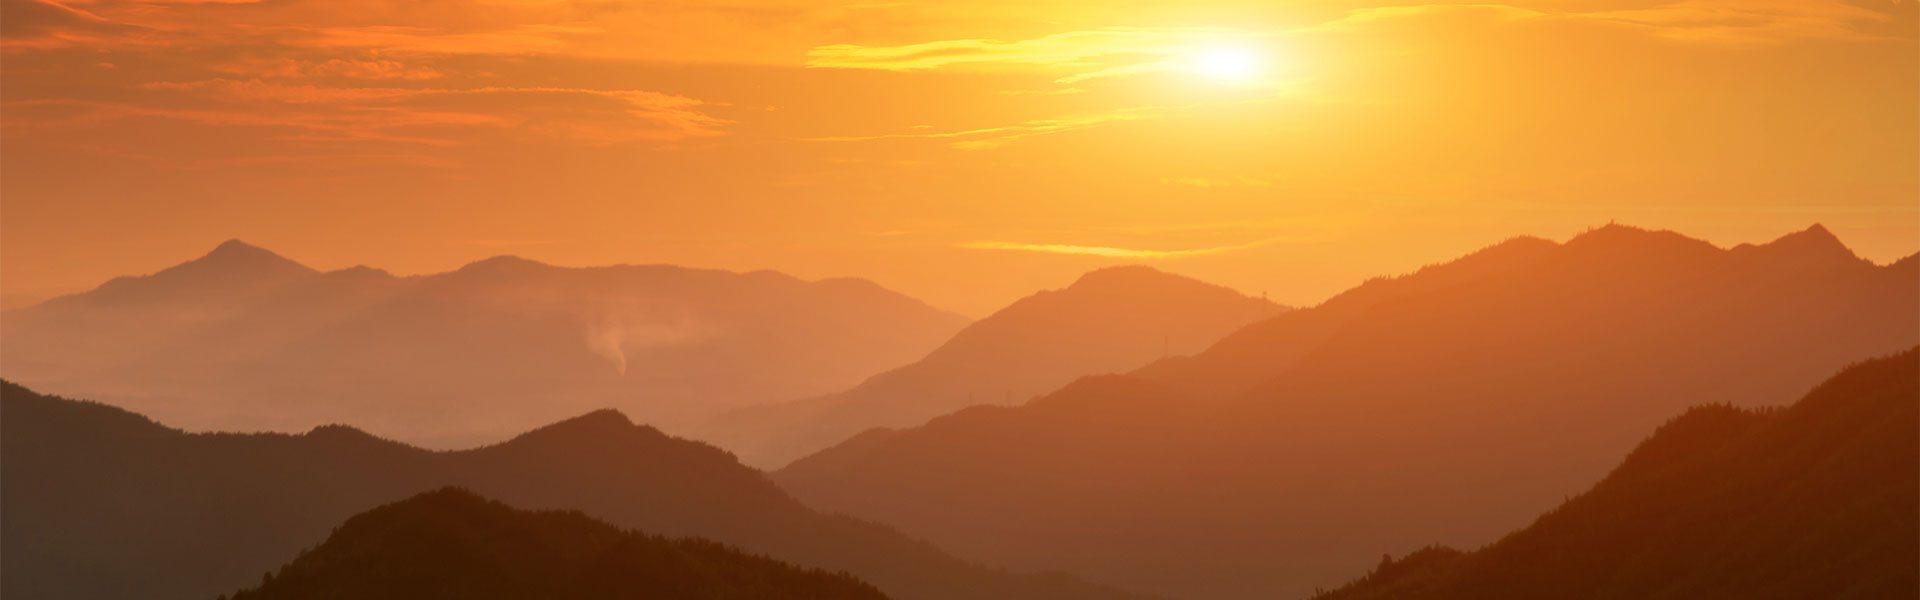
(1227, 63)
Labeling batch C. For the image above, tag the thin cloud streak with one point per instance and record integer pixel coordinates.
(1112, 251)
(1725, 22)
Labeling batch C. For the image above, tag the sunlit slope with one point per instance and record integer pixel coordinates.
(1446, 406)
(1110, 320)
(1811, 501)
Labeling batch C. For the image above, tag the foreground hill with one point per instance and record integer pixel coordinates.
(1813, 501)
(1449, 405)
(451, 544)
(1110, 320)
(459, 358)
(103, 503)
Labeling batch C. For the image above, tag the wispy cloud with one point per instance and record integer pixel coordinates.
(1217, 182)
(1075, 56)
(371, 68)
(425, 116)
(1113, 251)
(1362, 18)
(1727, 22)
(335, 80)
(1747, 21)
(993, 137)
(981, 138)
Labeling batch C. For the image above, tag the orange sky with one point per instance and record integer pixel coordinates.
(964, 152)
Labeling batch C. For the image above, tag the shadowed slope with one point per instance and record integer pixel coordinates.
(103, 503)
(1448, 405)
(457, 358)
(1813, 501)
(452, 544)
(1109, 320)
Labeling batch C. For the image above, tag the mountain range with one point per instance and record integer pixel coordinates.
(1448, 405)
(243, 339)
(1815, 500)
(1110, 320)
(105, 503)
(454, 545)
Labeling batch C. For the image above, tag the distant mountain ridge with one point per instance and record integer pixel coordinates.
(454, 545)
(457, 358)
(1109, 320)
(232, 267)
(1445, 405)
(1816, 500)
(105, 503)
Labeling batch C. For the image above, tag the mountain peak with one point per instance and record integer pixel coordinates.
(1614, 232)
(1626, 241)
(605, 418)
(1816, 238)
(237, 254)
(597, 424)
(236, 246)
(339, 433)
(502, 264)
(1122, 277)
(360, 272)
(233, 265)
(1815, 243)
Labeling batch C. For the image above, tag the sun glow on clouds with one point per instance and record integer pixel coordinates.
(1076, 56)
(633, 126)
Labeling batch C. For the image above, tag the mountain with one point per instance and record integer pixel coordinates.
(1447, 405)
(1110, 320)
(104, 503)
(453, 544)
(1811, 501)
(459, 358)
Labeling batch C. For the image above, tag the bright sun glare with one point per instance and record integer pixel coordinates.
(1229, 64)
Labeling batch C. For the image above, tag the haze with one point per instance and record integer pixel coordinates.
(974, 300)
(964, 153)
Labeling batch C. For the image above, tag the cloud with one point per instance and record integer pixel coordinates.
(41, 24)
(1077, 56)
(1112, 251)
(517, 39)
(309, 114)
(334, 80)
(1747, 21)
(1217, 182)
(1727, 22)
(376, 69)
(994, 137)
(1361, 19)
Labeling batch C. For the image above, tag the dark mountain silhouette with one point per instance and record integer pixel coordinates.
(1812, 501)
(452, 544)
(104, 503)
(1110, 320)
(457, 358)
(1448, 405)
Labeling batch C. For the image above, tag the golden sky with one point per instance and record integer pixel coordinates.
(966, 152)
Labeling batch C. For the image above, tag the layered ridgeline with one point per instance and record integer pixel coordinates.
(450, 544)
(1111, 320)
(1812, 501)
(104, 503)
(1449, 406)
(454, 359)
